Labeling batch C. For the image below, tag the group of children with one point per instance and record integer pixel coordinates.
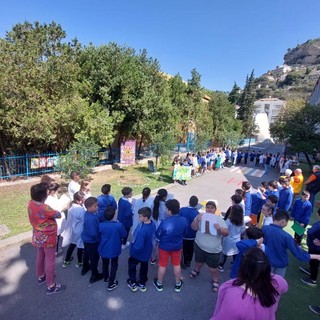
(161, 230)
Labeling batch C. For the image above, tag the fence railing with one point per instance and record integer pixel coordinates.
(37, 164)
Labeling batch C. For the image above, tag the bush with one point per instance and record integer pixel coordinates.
(82, 156)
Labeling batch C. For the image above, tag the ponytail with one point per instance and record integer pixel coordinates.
(161, 196)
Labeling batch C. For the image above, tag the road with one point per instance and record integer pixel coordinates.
(22, 298)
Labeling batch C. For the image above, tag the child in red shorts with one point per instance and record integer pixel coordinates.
(170, 237)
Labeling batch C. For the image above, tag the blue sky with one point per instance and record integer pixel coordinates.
(223, 39)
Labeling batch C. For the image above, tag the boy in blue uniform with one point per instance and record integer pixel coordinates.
(190, 214)
(247, 197)
(254, 239)
(301, 213)
(125, 214)
(170, 236)
(285, 195)
(277, 243)
(91, 238)
(313, 238)
(105, 200)
(141, 250)
(111, 232)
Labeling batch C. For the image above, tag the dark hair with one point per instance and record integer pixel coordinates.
(254, 233)
(263, 184)
(273, 184)
(193, 201)
(211, 203)
(273, 198)
(281, 215)
(39, 192)
(239, 192)
(126, 191)
(74, 174)
(46, 179)
(268, 206)
(255, 274)
(236, 198)
(246, 185)
(173, 205)
(77, 197)
(161, 196)
(106, 188)
(90, 202)
(236, 215)
(145, 193)
(109, 213)
(145, 212)
(53, 186)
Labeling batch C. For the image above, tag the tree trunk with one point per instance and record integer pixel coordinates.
(140, 145)
(5, 164)
(308, 160)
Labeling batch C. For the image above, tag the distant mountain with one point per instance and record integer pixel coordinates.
(296, 77)
(307, 53)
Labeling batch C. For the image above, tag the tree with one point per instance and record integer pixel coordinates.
(40, 106)
(298, 125)
(246, 109)
(235, 94)
(226, 128)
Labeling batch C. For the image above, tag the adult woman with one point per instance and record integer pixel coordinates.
(313, 183)
(254, 294)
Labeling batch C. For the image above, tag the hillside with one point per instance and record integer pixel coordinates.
(296, 77)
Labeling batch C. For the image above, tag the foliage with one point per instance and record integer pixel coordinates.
(246, 109)
(298, 126)
(235, 94)
(226, 128)
(82, 156)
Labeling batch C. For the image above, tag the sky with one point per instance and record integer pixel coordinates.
(223, 39)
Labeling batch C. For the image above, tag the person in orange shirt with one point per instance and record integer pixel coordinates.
(296, 182)
(313, 183)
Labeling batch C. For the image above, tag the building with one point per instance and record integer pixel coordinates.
(270, 106)
(314, 99)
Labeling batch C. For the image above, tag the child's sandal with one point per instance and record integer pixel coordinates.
(215, 286)
(193, 274)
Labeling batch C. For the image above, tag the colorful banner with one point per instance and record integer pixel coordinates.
(181, 172)
(128, 152)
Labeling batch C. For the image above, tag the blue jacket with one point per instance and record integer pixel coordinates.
(125, 212)
(143, 239)
(111, 232)
(104, 201)
(170, 233)
(313, 233)
(277, 243)
(189, 213)
(242, 246)
(256, 202)
(301, 211)
(285, 199)
(247, 203)
(90, 232)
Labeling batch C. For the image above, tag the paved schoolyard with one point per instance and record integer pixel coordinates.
(21, 298)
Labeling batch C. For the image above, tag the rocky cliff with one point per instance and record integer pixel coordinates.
(307, 53)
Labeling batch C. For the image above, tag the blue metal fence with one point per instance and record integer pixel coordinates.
(37, 164)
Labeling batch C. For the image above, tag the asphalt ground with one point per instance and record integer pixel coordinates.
(22, 298)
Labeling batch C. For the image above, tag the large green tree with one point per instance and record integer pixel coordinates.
(246, 106)
(40, 108)
(226, 128)
(298, 127)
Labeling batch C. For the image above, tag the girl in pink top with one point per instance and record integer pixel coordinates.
(255, 294)
(44, 238)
